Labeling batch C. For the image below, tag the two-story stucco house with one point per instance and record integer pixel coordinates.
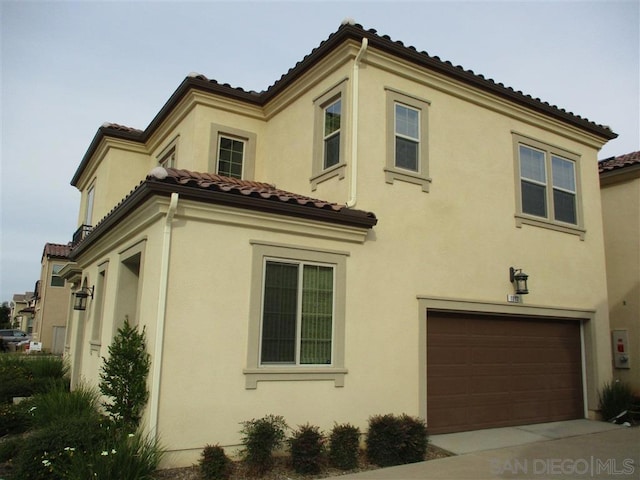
(52, 298)
(620, 186)
(343, 245)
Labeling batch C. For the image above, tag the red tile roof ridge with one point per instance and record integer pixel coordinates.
(620, 161)
(57, 250)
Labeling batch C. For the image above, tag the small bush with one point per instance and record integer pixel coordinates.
(214, 463)
(307, 450)
(395, 440)
(344, 445)
(15, 418)
(44, 454)
(261, 438)
(9, 448)
(58, 404)
(121, 456)
(614, 398)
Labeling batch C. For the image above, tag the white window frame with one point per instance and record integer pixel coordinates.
(88, 212)
(244, 149)
(319, 173)
(392, 172)
(250, 145)
(548, 221)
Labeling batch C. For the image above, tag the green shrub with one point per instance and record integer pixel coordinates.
(9, 448)
(124, 376)
(261, 438)
(214, 463)
(23, 376)
(614, 398)
(15, 418)
(395, 440)
(44, 454)
(58, 404)
(120, 456)
(344, 445)
(307, 450)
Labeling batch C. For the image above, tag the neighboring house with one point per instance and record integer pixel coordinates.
(52, 299)
(22, 312)
(620, 190)
(393, 294)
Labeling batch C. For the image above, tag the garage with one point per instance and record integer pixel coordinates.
(488, 371)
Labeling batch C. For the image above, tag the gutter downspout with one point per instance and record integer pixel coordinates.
(160, 321)
(353, 187)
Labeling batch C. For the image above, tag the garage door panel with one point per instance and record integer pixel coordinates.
(487, 371)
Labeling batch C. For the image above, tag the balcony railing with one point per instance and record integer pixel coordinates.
(80, 233)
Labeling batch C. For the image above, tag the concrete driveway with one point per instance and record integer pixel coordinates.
(581, 449)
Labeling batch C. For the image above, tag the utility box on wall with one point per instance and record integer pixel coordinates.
(620, 349)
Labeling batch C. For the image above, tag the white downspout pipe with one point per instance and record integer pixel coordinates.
(353, 186)
(160, 321)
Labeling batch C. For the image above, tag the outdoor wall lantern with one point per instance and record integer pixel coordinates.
(519, 278)
(81, 298)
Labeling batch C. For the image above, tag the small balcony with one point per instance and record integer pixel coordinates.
(80, 234)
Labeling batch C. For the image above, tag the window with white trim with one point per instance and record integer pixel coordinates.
(330, 132)
(233, 152)
(548, 186)
(297, 313)
(230, 156)
(407, 148)
(56, 279)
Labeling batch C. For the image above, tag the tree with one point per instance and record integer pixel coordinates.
(5, 315)
(124, 376)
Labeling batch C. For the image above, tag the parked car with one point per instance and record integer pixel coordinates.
(15, 337)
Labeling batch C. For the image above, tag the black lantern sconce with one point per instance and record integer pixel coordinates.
(519, 278)
(81, 298)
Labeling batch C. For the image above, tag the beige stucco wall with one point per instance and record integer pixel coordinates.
(621, 212)
(52, 306)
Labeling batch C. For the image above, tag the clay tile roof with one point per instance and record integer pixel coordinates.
(621, 161)
(266, 191)
(57, 250)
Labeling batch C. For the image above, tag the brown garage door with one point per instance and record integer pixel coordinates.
(491, 371)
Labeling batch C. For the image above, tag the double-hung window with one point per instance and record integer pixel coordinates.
(330, 133)
(56, 279)
(548, 190)
(331, 137)
(407, 148)
(230, 156)
(297, 314)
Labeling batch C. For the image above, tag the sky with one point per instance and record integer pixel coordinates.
(67, 67)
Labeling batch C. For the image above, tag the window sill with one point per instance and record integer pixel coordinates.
(337, 170)
(275, 374)
(544, 223)
(392, 174)
(95, 346)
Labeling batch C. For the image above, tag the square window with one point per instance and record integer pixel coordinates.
(548, 186)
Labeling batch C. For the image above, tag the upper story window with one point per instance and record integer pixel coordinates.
(230, 156)
(56, 279)
(548, 191)
(167, 157)
(332, 116)
(88, 212)
(329, 145)
(233, 152)
(407, 148)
